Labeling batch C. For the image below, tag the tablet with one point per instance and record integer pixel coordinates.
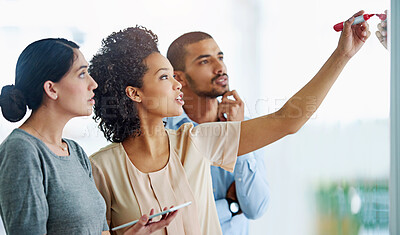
(152, 216)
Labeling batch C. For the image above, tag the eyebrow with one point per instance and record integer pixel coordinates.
(166, 69)
(82, 67)
(205, 56)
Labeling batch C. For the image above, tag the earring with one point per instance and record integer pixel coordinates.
(56, 97)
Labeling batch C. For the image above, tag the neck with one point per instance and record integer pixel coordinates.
(46, 124)
(200, 109)
(153, 140)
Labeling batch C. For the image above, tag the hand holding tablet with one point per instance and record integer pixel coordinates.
(152, 216)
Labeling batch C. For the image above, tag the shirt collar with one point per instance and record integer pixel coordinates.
(177, 121)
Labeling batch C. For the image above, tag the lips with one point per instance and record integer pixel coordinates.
(179, 99)
(221, 80)
(91, 100)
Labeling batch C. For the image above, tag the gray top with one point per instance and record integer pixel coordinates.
(42, 193)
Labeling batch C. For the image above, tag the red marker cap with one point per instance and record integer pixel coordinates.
(338, 27)
(367, 16)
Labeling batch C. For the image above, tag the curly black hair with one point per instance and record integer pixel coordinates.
(120, 63)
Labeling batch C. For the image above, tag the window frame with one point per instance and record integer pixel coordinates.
(394, 184)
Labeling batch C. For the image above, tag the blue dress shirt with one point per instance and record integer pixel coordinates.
(252, 189)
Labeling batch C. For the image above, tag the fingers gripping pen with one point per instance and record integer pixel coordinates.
(381, 16)
(357, 20)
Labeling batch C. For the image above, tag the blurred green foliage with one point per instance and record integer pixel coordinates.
(344, 207)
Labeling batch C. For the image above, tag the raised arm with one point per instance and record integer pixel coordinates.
(259, 132)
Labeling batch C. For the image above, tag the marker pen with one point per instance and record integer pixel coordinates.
(359, 19)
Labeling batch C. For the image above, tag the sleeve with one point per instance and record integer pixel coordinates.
(23, 203)
(105, 225)
(218, 142)
(224, 214)
(252, 189)
(102, 186)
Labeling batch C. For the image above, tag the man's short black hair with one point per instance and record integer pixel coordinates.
(176, 53)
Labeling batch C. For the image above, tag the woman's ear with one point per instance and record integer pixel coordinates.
(133, 93)
(50, 90)
(180, 77)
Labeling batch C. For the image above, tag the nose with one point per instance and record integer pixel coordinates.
(219, 67)
(177, 85)
(92, 83)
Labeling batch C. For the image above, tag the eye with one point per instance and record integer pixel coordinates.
(164, 77)
(221, 58)
(204, 62)
(82, 74)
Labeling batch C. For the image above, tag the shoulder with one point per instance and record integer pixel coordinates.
(19, 153)
(107, 154)
(206, 130)
(18, 136)
(182, 134)
(109, 162)
(184, 128)
(19, 142)
(215, 129)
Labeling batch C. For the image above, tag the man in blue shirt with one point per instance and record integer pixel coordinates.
(199, 66)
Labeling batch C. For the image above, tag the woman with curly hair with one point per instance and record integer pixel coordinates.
(46, 181)
(147, 166)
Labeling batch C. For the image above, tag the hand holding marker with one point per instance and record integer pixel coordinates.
(358, 20)
(382, 33)
(381, 16)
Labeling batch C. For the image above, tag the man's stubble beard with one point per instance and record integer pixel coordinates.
(208, 94)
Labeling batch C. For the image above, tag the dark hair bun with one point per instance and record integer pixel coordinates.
(13, 104)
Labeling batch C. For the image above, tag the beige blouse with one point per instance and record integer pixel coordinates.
(129, 193)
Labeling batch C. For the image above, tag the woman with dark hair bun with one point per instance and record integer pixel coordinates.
(149, 166)
(46, 182)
